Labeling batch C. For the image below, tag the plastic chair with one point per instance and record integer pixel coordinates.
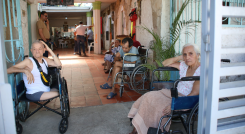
(89, 46)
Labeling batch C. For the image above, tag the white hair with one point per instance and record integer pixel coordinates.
(196, 48)
(35, 42)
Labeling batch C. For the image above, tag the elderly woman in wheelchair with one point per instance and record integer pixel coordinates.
(150, 107)
(42, 83)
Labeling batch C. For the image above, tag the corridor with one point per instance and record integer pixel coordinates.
(84, 76)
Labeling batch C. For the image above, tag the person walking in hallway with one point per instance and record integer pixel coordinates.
(43, 30)
(80, 30)
(75, 41)
(90, 36)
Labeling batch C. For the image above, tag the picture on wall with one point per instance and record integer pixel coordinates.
(65, 28)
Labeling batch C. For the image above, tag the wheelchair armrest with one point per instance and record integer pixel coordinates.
(190, 78)
(174, 91)
(225, 60)
(166, 69)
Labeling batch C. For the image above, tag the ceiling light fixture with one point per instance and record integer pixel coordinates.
(65, 17)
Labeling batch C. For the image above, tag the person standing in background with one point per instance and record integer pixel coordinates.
(43, 30)
(75, 41)
(80, 37)
(90, 35)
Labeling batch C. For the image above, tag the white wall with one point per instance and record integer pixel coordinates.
(24, 22)
(34, 19)
(233, 37)
(146, 20)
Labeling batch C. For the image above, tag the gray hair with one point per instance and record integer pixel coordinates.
(35, 42)
(118, 40)
(196, 48)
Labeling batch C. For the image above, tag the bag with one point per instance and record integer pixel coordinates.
(47, 79)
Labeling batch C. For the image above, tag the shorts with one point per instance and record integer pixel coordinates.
(34, 97)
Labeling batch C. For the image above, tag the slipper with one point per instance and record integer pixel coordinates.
(111, 95)
(105, 86)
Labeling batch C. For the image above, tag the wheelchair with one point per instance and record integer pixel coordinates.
(184, 108)
(124, 76)
(22, 103)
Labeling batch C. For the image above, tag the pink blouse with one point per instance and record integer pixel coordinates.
(185, 87)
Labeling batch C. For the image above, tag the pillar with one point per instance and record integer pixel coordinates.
(89, 20)
(97, 27)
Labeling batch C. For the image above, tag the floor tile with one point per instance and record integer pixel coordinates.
(84, 76)
(104, 91)
(108, 101)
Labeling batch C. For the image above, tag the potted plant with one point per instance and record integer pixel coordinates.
(164, 47)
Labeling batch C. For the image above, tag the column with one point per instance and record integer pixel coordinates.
(89, 21)
(97, 32)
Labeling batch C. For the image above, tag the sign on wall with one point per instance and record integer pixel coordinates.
(60, 2)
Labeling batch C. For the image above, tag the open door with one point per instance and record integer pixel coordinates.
(216, 116)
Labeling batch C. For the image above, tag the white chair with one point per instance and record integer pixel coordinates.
(61, 43)
(89, 46)
(64, 45)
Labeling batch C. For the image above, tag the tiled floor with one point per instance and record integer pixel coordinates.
(84, 76)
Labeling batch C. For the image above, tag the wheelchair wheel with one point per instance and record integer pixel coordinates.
(121, 90)
(140, 79)
(63, 125)
(19, 128)
(23, 110)
(66, 104)
(193, 120)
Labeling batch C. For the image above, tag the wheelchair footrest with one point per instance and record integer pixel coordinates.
(152, 130)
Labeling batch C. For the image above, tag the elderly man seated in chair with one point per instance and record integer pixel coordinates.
(127, 47)
(36, 90)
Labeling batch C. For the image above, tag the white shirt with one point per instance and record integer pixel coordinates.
(81, 29)
(38, 85)
(185, 87)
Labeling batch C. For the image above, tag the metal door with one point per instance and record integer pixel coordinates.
(13, 40)
(219, 116)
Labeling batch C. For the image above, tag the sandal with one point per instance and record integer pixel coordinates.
(105, 86)
(111, 95)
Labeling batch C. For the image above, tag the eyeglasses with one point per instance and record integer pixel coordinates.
(46, 15)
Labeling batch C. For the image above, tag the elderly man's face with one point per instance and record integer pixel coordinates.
(189, 56)
(126, 48)
(116, 43)
(37, 50)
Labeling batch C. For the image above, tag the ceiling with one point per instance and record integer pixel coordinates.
(69, 15)
(73, 15)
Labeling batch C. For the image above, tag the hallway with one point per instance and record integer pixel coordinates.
(84, 76)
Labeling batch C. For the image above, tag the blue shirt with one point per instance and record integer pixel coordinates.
(90, 33)
(133, 50)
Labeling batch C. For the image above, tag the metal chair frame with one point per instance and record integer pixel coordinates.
(175, 113)
(64, 104)
(127, 70)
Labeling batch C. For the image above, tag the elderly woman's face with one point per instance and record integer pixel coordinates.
(116, 43)
(189, 56)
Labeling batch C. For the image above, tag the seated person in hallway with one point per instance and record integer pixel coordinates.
(149, 108)
(90, 36)
(36, 90)
(109, 57)
(127, 47)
